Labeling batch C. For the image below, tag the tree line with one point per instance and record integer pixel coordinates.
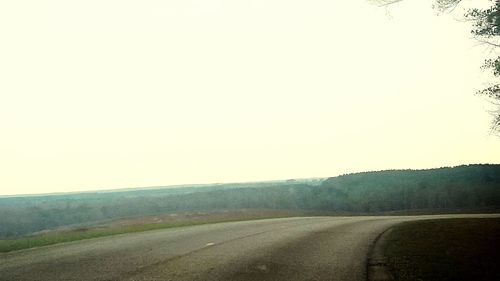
(462, 188)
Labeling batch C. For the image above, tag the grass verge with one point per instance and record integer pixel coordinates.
(445, 249)
(8, 245)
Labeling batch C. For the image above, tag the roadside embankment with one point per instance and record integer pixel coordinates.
(443, 249)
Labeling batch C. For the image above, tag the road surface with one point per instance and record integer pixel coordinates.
(308, 248)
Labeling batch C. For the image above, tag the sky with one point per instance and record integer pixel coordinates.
(125, 93)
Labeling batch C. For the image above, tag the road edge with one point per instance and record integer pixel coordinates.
(376, 262)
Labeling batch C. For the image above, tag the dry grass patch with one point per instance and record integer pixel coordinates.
(446, 249)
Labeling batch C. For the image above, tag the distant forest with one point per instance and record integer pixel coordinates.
(462, 188)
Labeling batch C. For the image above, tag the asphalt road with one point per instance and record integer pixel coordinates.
(312, 248)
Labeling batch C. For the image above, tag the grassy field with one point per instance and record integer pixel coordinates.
(451, 249)
(137, 225)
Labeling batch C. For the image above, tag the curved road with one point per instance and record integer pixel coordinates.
(306, 248)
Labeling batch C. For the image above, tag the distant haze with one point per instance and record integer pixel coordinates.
(111, 94)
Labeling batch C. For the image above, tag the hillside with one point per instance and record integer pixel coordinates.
(463, 188)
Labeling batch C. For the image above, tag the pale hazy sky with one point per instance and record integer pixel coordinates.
(102, 94)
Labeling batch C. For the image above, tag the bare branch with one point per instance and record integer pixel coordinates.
(446, 6)
(486, 42)
(385, 3)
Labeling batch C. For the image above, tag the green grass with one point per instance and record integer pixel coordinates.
(446, 249)
(9, 245)
(60, 237)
